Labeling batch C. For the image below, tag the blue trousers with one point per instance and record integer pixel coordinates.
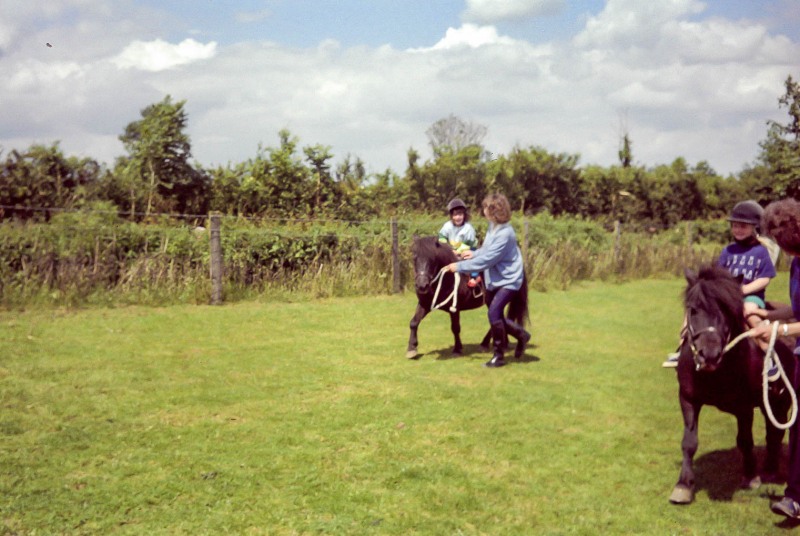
(497, 300)
(793, 476)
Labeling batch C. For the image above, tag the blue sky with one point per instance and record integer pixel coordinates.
(684, 78)
(400, 23)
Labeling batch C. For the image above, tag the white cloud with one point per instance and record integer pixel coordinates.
(35, 75)
(469, 35)
(489, 11)
(159, 55)
(689, 85)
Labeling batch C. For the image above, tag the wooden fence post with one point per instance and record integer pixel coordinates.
(689, 236)
(395, 258)
(216, 260)
(617, 245)
(525, 224)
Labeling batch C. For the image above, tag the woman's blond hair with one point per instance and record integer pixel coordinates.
(781, 222)
(497, 208)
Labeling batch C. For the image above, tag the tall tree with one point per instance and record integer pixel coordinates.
(158, 157)
(780, 152)
(453, 134)
(325, 190)
(625, 152)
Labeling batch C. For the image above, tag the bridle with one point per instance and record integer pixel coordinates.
(438, 278)
(695, 334)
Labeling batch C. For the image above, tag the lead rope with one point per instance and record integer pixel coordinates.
(765, 377)
(765, 382)
(453, 296)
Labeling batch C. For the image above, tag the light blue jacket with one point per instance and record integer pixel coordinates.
(499, 258)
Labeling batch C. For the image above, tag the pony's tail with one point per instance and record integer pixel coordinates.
(518, 308)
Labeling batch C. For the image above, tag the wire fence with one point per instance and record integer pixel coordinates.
(251, 247)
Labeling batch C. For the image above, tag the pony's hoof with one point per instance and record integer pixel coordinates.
(412, 354)
(753, 483)
(681, 495)
(457, 351)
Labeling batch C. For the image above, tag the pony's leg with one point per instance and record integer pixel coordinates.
(455, 327)
(419, 314)
(744, 441)
(781, 404)
(487, 341)
(774, 446)
(683, 492)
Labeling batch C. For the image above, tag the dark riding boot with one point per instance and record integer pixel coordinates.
(519, 333)
(498, 340)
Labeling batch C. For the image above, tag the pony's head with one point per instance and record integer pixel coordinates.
(430, 256)
(714, 314)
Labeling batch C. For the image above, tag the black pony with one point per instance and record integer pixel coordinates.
(430, 256)
(730, 381)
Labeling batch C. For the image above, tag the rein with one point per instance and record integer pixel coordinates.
(453, 296)
(771, 353)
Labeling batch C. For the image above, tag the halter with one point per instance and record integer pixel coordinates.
(695, 334)
(453, 296)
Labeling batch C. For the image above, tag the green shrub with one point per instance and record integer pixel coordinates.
(93, 257)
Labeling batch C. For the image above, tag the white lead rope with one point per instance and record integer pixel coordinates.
(765, 377)
(453, 296)
(765, 382)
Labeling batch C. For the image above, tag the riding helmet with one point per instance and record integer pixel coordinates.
(454, 204)
(747, 212)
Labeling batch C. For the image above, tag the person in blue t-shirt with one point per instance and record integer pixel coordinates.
(748, 258)
(781, 221)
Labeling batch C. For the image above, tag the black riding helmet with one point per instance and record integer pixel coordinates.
(457, 203)
(747, 212)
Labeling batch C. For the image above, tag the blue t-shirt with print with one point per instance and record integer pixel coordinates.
(751, 261)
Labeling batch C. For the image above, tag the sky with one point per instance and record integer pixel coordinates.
(367, 78)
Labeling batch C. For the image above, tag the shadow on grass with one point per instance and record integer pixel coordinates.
(475, 351)
(720, 472)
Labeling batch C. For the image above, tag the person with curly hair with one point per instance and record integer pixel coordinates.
(781, 221)
(500, 260)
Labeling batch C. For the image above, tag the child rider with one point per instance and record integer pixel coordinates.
(460, 234)
(746, 257)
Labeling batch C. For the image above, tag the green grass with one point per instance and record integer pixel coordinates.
(305, 418)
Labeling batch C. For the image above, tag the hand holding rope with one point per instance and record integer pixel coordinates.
(771, 353)
(453, 296)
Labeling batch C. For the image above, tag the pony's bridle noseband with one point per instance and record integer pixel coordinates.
(693, 335)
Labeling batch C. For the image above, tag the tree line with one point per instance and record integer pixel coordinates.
(157, 176)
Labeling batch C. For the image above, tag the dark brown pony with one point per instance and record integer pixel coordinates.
(430, 256)
(731, 381)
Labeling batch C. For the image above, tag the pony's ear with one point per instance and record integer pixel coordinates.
(739, 278)
(691, 276)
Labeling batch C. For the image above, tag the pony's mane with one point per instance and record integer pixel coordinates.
(715, 289)
(430, 248)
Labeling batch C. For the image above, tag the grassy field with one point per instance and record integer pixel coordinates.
(305, 418)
